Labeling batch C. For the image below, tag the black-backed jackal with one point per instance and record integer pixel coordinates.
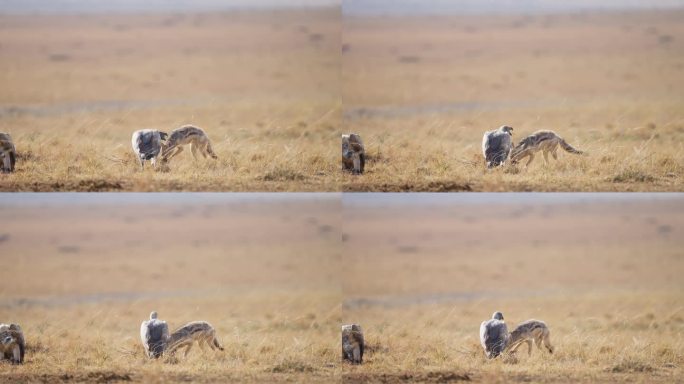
(199, 331)
(147, 145)
(8, 154)
(12, 344)
(352, 343)
(353, 153)
(188, 135)
(527, 332)
(545, 141)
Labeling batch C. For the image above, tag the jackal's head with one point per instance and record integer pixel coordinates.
(519, 149)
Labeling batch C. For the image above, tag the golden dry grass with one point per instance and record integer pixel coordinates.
(261, 273)
(262, 84)
(422, 91)
(604, 276)
(274, 93)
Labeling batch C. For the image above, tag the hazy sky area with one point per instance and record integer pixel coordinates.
(369, 7)
(95, 6)
(399, 7)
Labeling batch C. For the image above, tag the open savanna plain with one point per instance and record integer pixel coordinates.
(81, 276)
(422, 90)
(421, 274)
(262, 84)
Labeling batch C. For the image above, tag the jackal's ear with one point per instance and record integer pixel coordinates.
(163, 135)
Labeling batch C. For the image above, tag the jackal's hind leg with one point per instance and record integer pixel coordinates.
(546, 157)
(529, 347)
(554, 154)
(187, 349)
(194, 149)
(211, 343)
(202, 149)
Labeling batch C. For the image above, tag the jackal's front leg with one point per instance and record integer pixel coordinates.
(530, 160)
(187, 350)
(173, 152)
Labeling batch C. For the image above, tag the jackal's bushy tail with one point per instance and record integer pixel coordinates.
(210, 151)
(569, 147)
(546, 340)
(216, 343)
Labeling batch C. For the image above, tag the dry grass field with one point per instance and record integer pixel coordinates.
(605, 276)
(422, 90)
(263, 85)
(80, 278)
(274, 92)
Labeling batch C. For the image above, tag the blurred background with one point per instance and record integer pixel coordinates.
(497, 6)
(261, 78)
(422, 271)
(82, 271)
(66, 6)
(423, 80)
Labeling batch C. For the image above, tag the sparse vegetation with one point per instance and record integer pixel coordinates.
(265, 92)
(421, 91)
(421, 277)
(262, 274)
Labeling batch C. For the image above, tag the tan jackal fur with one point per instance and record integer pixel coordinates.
(12, 344)
(527, 332)
(545, 141)
(8, 154)
(353, 153)
(352, 343)
(188, 135)
(185, 336)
